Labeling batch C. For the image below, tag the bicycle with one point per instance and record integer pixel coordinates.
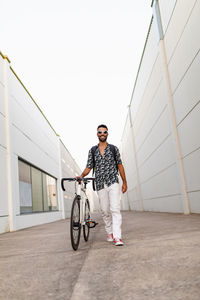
(80, 211)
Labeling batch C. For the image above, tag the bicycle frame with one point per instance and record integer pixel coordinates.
(80, 191)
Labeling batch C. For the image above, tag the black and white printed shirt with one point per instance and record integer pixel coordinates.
(105, 166)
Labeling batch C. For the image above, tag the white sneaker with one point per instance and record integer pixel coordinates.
(110, 237)
(118, 242)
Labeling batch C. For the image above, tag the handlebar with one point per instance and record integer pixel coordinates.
(79, 179)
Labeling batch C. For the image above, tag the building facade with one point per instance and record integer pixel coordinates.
(161, 141)
(33, 160)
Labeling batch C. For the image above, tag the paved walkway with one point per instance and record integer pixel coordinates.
(160, 260)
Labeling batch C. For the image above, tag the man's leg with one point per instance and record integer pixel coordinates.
(105, 209)
(114, 196)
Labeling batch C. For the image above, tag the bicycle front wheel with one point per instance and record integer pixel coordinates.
(75, 225)
(86, 228)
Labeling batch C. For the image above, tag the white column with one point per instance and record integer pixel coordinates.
(11, 212)
(60, 192)
(124, 202)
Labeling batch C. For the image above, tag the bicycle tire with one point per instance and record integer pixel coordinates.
(86, 228)
(75, 226)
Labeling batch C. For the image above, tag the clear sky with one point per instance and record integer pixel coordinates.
(78, 59)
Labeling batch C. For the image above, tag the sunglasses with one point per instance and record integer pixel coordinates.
(100, 132)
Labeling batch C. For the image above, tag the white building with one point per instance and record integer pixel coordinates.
(32, 159)
(161, 139)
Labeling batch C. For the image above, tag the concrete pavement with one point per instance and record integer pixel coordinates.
(160, 260)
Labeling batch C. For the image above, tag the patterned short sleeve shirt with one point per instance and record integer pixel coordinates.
(105, 166)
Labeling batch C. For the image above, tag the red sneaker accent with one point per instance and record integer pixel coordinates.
(118, 242)
(110, 237)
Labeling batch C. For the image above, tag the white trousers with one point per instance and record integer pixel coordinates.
(109, 200)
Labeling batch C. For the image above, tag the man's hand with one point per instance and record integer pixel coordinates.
(124, 187)
(78, 178)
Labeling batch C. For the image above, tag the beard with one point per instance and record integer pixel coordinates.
(102, 138)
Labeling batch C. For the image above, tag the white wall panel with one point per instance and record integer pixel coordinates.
(158, 134)
(192, 171)
(29, 220)
(132, 196)
(25, 123)
(178, 21)
(127, 154)
(187, 48)
(189, 132)
(151, 91)
(20, 95)
(135, 203)
(166, 10)
(2, 105)
(2, 131)
(30, 152)
(4, 225)
(194, 199)
(3, 183)
(125, 132)
(124, 204)
(148, 61)
(164, 204)
(128, 159)
(136, 206)
(188, 93)
(1, 70)
(150, 117)
(161, 159)
(130, 168)
(163, 184)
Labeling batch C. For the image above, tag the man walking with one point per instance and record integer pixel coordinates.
(105, 159)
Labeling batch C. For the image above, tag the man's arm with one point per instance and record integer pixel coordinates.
(123, 177)
(85, 172)
(89, 165)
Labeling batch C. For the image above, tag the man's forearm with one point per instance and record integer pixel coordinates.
(85, 172)
(123, 176)
(122, 173)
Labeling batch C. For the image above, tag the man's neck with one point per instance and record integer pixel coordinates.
(103, 144)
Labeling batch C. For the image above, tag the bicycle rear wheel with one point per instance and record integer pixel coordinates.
(86, 228)
(75, 226)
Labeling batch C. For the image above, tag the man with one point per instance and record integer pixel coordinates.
(106, 160)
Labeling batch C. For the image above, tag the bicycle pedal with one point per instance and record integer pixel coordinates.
(91, 224)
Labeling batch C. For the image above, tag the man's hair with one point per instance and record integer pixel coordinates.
(102, 125)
